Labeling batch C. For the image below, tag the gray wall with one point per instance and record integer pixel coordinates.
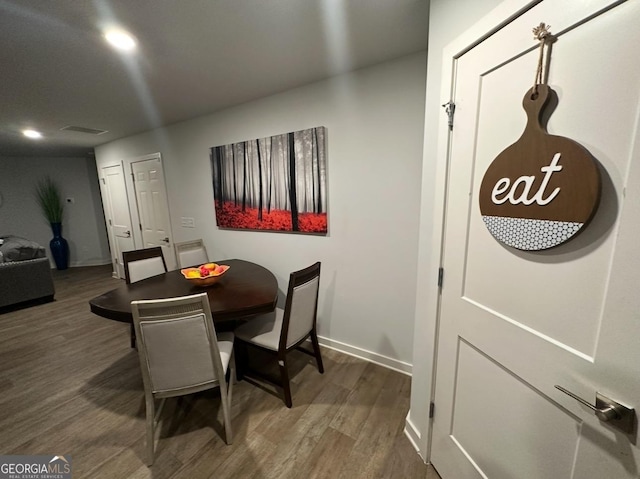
(83, 225)
(374, 119)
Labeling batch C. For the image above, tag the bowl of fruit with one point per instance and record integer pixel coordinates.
(205, 274)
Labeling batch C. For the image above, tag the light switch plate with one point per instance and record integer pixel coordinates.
(188, 222)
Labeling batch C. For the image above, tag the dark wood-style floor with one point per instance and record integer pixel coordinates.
(71, 385)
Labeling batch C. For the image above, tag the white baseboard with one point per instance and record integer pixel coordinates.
(413, 435)
(400, 366)
(97, 262)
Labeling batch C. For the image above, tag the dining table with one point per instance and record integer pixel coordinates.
(245, 289)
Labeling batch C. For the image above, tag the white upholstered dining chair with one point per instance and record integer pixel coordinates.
(191, 253)
(141, 264)
(286, 329)
(181, 354)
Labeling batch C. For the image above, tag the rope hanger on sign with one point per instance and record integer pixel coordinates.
(542, 34)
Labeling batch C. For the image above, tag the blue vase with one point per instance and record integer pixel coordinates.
(59, 247)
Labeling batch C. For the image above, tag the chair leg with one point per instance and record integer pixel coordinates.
(316, 350)
(233, 369)
(284, 375)
(226, 415)
(226, 392)
(150, 420)
(133, 337)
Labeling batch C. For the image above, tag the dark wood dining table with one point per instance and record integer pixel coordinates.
(244, 290)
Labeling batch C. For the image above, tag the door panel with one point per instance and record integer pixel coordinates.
(153, 207)
(485, 426)
(512, 323)
(544, 299)
(119, 219)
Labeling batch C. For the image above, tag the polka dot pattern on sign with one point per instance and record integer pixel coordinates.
(530, 235)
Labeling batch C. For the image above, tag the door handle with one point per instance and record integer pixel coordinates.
(128, 233)
(166, 240)
(608, 410)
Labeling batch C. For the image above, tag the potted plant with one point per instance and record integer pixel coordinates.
(50, 201)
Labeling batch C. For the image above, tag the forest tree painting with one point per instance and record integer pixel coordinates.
(273, 184)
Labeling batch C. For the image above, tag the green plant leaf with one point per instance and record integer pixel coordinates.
(49, 199)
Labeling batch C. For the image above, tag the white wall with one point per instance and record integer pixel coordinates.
(83, 224)
(374, 119)
(447, 20)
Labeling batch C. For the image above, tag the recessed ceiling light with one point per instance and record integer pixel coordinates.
(121, 40)
(32, 134)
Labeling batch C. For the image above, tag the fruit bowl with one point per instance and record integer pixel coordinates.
(205, 274)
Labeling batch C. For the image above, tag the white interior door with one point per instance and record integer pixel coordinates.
(153, 207)
(513, 324)
(118, 217)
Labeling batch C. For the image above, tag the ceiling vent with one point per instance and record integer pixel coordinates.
(82, 129)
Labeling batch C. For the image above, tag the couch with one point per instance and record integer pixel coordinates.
(25, 272)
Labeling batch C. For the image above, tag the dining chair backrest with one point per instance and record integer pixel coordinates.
(191, 253)
(143, 263)
(301, 305)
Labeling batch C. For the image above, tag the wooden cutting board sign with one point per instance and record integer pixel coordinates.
(542, 190)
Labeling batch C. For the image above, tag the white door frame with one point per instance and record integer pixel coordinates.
(108, 213)
(419, 429)
(131, 193)
(133, 203)
(168, 249)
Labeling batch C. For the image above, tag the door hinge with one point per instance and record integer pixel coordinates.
(432, 408)
(450, 109)
(140, 225)
(110, 224)
(440, 277)
(104, 182)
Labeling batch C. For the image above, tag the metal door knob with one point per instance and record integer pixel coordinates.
(607, 410)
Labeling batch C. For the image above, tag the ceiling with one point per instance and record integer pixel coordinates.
(194, 57)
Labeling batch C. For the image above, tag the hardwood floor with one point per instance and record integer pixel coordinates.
(71, 385)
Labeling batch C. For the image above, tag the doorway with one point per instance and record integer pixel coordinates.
(116, 206)
(153, 207)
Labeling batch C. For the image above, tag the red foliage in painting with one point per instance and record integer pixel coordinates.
(231, 215)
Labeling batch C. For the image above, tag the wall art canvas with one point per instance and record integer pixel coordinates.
(272, 184)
